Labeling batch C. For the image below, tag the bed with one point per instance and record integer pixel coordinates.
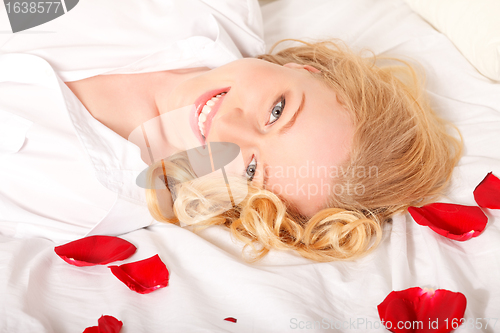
(209, 281)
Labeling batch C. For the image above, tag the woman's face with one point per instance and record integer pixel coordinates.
(292, 132)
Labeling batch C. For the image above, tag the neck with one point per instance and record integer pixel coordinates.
(168, 81)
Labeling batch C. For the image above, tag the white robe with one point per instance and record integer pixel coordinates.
(63, 174)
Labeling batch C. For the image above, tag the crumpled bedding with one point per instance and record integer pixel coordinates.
(284, 292)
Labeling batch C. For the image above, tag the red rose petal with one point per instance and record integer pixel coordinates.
(487, 193)
(417, 310)
(456, 222)
(143, 276)
(92, 329)
(95, 250)
(107, 324)
(231, 319)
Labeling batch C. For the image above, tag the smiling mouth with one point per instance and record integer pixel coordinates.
(207, 106)
(205, 112)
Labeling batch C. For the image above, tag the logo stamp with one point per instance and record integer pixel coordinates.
(24, 15)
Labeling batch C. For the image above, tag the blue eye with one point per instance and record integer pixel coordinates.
(251, 169)
(277, 111)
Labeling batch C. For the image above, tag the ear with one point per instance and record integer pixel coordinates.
(297, 66)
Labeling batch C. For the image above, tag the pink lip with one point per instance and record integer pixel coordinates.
(199, 104)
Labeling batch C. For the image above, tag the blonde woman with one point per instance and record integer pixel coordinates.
(333, 144)
(370, 144)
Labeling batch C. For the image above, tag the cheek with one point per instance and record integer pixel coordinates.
(250, 79)
(262, 75)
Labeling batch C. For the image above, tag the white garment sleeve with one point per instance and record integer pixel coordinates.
(97, 36)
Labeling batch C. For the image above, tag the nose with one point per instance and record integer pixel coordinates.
(237, 127)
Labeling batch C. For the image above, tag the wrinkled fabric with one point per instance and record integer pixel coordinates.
(64, 174)
(284, 292)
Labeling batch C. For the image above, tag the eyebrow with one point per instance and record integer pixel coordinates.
(284, 130)
(290, 123)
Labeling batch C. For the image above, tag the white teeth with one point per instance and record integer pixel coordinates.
(205, 111)
(202, 128)
(202, 118)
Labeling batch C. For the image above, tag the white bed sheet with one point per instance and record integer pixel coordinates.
(209, 281)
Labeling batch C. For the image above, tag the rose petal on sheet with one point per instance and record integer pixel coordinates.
(231, 319)
(109, 324)
(95, 250)
(143, 276)
(420, 310)
(106, 324)
(456, 222)
(487, 193)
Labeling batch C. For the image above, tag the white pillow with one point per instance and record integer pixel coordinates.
(472, 25)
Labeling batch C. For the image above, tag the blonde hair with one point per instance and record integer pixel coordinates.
(396, 132)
